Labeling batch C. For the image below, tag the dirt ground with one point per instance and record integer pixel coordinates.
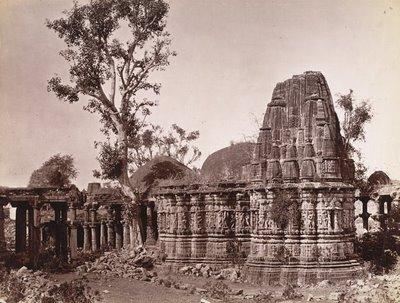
(123, 290)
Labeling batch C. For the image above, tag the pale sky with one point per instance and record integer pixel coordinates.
(231, 54)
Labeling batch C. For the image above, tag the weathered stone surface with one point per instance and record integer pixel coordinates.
(288, 215)
(227, 163)
(292, 221)
(300, 136)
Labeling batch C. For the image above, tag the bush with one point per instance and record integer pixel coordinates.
(381, 249)
(285, 209)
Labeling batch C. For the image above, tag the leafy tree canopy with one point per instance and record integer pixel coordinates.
(113, 46)
(356, 116)
(58, 171)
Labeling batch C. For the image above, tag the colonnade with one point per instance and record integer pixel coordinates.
(383, 210)
(77, 221)
(113, 232)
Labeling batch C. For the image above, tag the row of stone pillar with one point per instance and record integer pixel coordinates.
(114, 232)
(382, 216)
(112, 235)
(27, 227)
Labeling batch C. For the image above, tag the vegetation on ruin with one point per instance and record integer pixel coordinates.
(380, 249)
(285, 209)
(113, 49)
(57, 171)
(356, 116)
(154, 141)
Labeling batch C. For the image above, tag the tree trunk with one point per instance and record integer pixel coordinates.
(127, 187)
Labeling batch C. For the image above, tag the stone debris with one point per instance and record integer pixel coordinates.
(25, 285)
(203, 270)
(376, 289)
(336, 296)
(137, 264)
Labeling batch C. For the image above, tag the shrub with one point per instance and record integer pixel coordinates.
(380, 249)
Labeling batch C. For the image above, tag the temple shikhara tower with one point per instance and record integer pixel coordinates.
(289, 213)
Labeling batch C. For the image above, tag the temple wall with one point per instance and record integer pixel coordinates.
(315, 240)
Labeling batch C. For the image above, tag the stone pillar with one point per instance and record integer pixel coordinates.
(30, 228)
(365, 214)
(132, 235)
(94, 229)
(36, 230)
(2, 235)
(110, 234)
(382, 216)
(126, 234)
(86, 231)
(86, 237)
(103, 235)
(110, 228)
(150, 233)
(57, 219)
(63, 232)
(73, 241)
(73, 235)
(118, 228)
(118, 235)
(381, 212)
(20, 229)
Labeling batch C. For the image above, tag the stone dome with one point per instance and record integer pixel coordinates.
(379, 178)
(227, 163)
(159, 168)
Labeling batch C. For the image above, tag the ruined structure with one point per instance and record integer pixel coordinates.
(67, 220)
(291, 215)
(283, 207)
(374, 203)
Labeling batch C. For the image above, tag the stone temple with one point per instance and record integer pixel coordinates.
(289, 213)
(282, 207)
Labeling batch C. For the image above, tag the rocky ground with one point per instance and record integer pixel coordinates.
(139, 276)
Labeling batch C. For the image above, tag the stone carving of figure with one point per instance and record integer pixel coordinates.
(220, 219)
(174, 222)
(310, 220)
(261, 219)
(210, 219)
(246, 219)
(231, 221)
(193, 218)
(167, 220)
(239, 220)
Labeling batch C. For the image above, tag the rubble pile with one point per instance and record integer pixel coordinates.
(377, 289)
(233, 274)
(25, 285)
(136, 264)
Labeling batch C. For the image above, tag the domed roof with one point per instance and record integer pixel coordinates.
(159, 168)
(379, 178)
(227, 163)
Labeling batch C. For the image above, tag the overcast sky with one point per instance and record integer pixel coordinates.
(230, 56)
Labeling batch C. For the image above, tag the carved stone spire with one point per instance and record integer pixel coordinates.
(300, 137)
